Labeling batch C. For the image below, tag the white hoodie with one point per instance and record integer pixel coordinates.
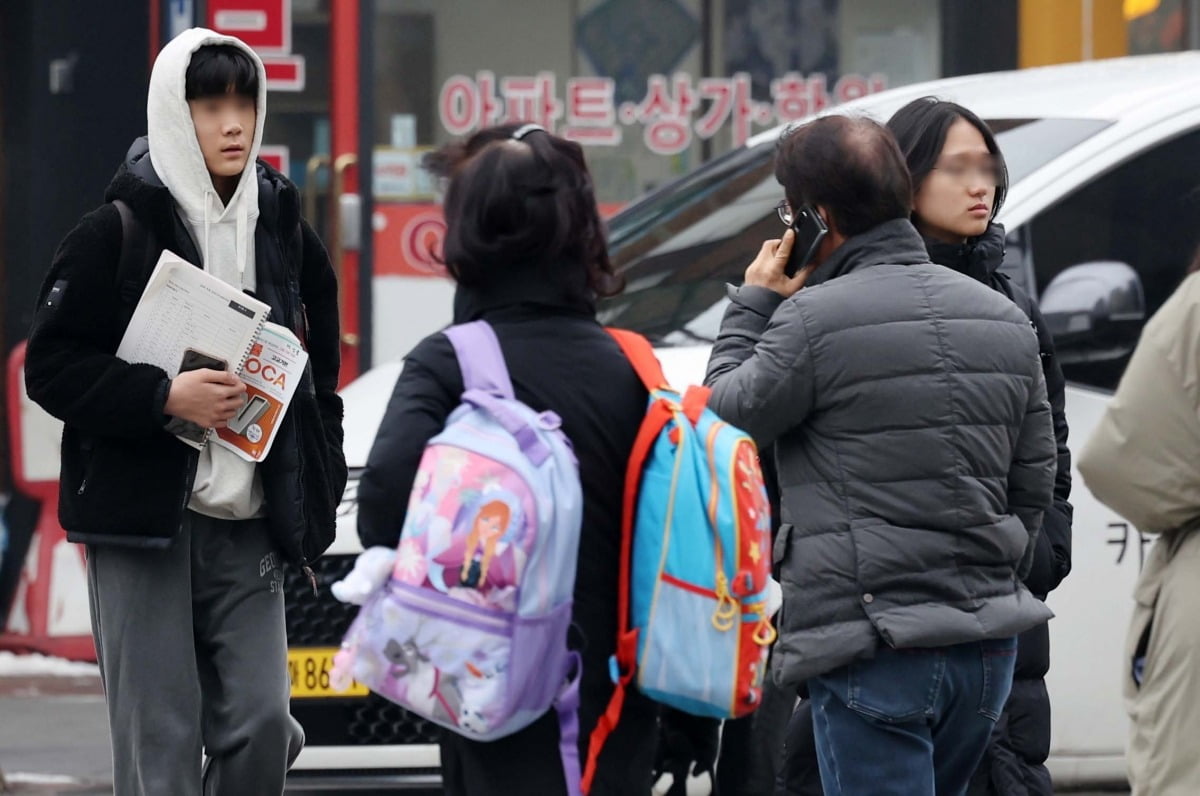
(226, 486)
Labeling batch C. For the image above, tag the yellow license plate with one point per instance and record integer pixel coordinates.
(309, 668)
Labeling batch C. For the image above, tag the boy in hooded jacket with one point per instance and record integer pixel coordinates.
(185, 547)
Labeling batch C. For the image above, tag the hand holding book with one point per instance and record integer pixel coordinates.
(203, 396)
(230, 370)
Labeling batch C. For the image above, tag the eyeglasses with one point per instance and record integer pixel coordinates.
(785, 212)
(987, 173)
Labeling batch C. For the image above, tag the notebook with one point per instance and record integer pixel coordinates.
(183, 307)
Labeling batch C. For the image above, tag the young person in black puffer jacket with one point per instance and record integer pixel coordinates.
(956, 167)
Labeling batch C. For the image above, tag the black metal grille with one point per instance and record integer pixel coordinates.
(317, 620)
(376, 718)
(361, 721)
(321, 621)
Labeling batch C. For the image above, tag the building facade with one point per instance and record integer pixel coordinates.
(360, 89)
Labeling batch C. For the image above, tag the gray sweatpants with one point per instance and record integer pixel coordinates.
(192, 649)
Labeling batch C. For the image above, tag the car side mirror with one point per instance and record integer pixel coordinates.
(1095, 311)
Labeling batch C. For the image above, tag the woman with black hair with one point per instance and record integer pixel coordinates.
(526, 246)
(960, 181)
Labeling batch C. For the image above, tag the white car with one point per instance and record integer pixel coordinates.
(1102, 212)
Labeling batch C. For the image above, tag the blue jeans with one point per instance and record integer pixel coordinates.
(910, 722)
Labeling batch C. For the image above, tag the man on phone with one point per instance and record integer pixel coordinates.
(915, 453)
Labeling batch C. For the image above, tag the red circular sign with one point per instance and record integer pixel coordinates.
(421, 243)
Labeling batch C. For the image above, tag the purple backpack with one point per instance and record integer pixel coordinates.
(470, 631)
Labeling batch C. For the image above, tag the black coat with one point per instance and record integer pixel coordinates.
(124, 479)
(1013, 763)
(559, 358)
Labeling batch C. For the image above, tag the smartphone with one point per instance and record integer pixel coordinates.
(194, 360)
(810, 231)
(254, 409)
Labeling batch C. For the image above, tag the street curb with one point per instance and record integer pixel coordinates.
(33, 686)
(14, 784)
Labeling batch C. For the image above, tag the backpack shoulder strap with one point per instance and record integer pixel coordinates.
(135, 252)
(480, 358)
(660, 412)
(640, 354)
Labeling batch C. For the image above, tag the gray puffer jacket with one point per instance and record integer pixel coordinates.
(914, 446)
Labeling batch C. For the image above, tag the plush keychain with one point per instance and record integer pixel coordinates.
(370, 572)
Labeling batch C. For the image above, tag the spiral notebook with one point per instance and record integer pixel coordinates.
(183, 308)
(271, 374)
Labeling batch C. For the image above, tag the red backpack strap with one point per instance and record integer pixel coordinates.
(657, 417)
(695, 401)
(640, 354)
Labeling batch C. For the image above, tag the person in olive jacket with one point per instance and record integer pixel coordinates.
(916, 457)
(185, 547)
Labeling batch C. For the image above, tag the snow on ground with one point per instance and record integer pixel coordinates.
(21, 778)
(35, 665)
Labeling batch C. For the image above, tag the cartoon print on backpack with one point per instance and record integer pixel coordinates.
(411, 566)
(487, 551)
(446, 672)
(467, 532)
(486, 529)
(421, 684)
(483, 686)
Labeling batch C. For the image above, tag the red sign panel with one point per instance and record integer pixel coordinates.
(284, 72)
(265, 25)
(408, 240)
(409, 237)
(278, 156)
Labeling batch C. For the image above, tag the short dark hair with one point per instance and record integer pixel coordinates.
(520, 204)
(849, 165)
(219, 69)
(920, 128)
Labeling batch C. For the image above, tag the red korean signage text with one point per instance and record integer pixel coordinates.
(674, 112)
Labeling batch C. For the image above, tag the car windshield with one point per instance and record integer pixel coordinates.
(679, 246)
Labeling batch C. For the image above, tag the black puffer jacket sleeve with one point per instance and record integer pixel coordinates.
(1030, 476)
(70, 366)
(1052, 558)
(425, 395)
(1056, 524)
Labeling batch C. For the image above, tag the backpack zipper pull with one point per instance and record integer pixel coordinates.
(726, 612)
(312, 579)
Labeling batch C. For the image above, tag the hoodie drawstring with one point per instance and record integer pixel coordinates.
(240, 243)
(204, 254)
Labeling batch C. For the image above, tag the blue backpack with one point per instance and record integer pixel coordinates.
(695, 560)
(470, 631)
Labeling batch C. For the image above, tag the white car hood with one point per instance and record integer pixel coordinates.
(366, 398)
